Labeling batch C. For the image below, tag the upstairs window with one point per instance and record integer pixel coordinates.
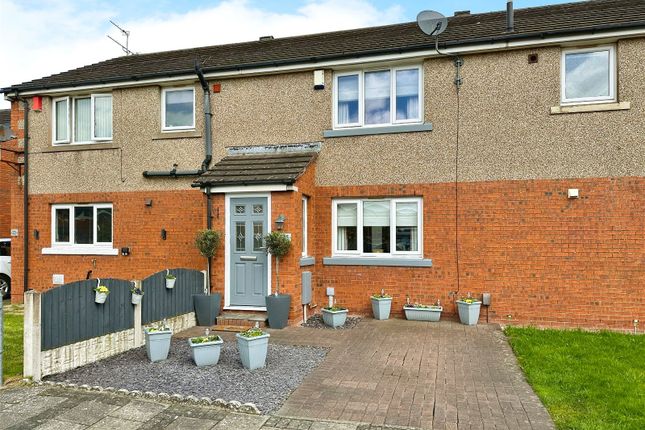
(378, 97)
(589, 75)
(86, 119)
(178, 109)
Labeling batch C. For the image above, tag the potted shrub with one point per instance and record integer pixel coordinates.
(381, 305)
(420, 312)
(170, 280)
(100, 293)
(253, 345)
(278, 305)
(158, 341)
(468, 310)
(207, 305)
(137, 294)
(334, 316)
(205, 349)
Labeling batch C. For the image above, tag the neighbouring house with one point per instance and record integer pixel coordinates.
(5, 174)
(516, 170)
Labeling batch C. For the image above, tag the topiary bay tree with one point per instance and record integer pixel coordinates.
(278, 245)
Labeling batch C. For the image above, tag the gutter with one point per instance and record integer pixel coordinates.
(208, 138)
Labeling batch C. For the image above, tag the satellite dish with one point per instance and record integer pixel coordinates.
(432, 23)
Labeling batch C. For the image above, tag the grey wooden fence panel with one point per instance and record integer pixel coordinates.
(70, 315)
(160, 302)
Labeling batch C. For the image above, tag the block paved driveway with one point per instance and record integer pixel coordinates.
(407, 373)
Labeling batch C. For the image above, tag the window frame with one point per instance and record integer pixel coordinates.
(164, 91)
(70, 244)
(613, 81)
(92, 131)
(305, 225)
(71, 120)
(359, 228)
(68, 139)
(361, 97)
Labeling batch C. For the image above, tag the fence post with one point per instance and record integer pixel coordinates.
(31, 335)
(138, 327)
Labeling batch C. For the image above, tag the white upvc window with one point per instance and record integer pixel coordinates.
(178, 109)
(377, 227)
(588, 75)
(305, 226)
(82, 119)
(380, 97)
(82, 226)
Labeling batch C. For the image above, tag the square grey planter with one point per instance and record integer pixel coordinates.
(423, 314)
(381, 307)
(207, 353)
(334, 318)
(253, 350)
(468, 312)
(158, 344)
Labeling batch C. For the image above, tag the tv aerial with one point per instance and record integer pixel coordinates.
(126, 33)
(433, 24)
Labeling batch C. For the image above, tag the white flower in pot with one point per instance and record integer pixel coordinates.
(170, 280)
(100, 293)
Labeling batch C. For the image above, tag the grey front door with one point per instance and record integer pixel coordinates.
(248, 226)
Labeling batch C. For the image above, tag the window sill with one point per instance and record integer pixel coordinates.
(307, 261)
(599, 107)
(179, 134)
(388, 129)
(70, 147)
(79, 250)
(369, 261)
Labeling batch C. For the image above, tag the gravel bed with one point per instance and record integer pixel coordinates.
(316, 321)
(267, 388)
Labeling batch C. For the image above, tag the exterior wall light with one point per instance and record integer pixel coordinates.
(279, 222)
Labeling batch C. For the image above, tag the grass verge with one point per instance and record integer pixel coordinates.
(12, 339)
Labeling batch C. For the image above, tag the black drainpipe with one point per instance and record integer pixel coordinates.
(208, 144)
(25, 201)
(209, 225)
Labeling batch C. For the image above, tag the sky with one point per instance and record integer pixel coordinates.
(44, 37)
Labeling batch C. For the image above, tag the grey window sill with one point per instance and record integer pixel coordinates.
(82, 147)
(190, 134)
(388, 129)
(307, 261)
(595, 107)
(368, 261)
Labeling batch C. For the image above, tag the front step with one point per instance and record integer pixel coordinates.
(242, 320)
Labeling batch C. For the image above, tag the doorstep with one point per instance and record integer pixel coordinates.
(244, 320)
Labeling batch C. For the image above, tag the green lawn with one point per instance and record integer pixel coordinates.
(12, 356)
(586, 380)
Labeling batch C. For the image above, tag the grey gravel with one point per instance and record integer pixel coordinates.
(316, 321)
(267, 388)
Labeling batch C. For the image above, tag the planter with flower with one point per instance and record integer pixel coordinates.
(253, 345)
(137, 294)
(420, 312)
(205, 349)
(207, 305)
(334, 316)
(158, 339)
(381, 305)
(170, 280)
(278, 305)
(100, 293)
(468, 308)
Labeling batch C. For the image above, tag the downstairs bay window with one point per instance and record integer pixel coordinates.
(81, 229)
(377, 228)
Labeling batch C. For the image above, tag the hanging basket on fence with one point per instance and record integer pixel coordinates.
(100, 292)
(170, 280)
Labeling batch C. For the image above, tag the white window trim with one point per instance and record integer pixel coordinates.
(71, 120)
(612, 77)
(163, 109)
(96, 248)
(305, 225)
(361, 98)
(54, 122)
(359, 229)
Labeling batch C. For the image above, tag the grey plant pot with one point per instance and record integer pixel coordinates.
(207, 308)
(278, 310)
(381, 308)
(253, 350)
(423, 314)
(206, 354)
(334, 319)
(468, 313)
(158, 344)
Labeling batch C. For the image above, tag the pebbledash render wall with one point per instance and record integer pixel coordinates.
(546, 259)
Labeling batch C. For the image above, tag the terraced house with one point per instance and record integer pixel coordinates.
(508, 162)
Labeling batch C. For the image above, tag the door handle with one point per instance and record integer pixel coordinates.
(248, 258)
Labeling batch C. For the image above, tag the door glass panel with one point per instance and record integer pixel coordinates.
(258, 235)
(239, 209)
(84, 225)
(240, 236)
(258, 209)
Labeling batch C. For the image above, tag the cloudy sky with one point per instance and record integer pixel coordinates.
(43, 37)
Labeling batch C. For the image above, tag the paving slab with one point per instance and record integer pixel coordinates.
(186, 423)
(88, 412)
(241, 422)
(138, 410)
